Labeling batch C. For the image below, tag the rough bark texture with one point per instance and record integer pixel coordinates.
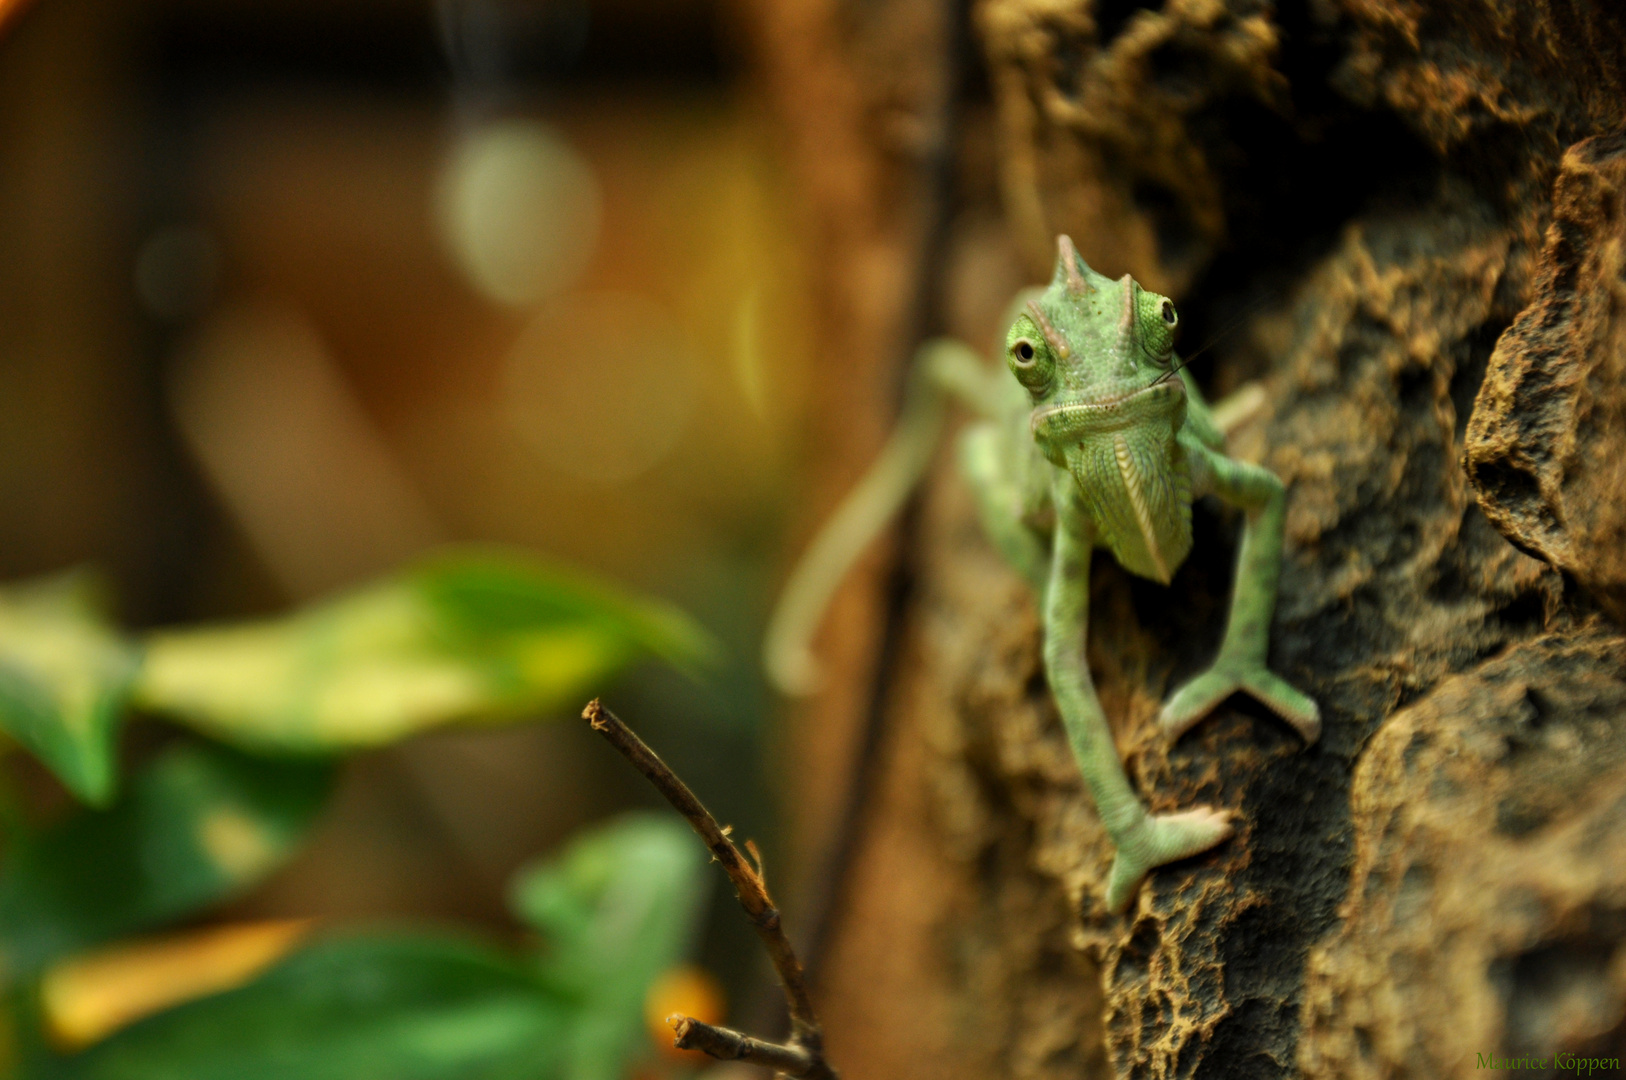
(1547, 441)
(1429, 200)
(1488, 898)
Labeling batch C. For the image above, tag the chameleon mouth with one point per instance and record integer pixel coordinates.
(1109, 413)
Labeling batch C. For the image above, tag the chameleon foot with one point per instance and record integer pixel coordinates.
(1162, 839)
(1198, 697)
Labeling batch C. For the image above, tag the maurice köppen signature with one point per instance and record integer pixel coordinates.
(1580, 1066)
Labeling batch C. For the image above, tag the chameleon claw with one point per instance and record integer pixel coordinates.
(1161, 839)
(1198, 698)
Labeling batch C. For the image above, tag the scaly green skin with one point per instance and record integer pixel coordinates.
(1100, 446)
(1100, 440)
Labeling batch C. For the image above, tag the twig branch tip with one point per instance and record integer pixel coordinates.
(803, 1055)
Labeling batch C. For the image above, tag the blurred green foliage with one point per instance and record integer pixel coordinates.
(473, 636)
(198, 824)
(64, 674)
(364, 1007)
(476, 636)
(618, 908)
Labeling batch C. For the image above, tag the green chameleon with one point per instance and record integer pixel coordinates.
(1100, 440)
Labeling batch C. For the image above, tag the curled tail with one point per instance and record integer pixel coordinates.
(942, 367)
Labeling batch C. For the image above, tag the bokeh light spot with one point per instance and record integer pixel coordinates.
(686, 990)
(518, 209)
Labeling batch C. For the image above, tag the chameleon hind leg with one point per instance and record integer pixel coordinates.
(1144, 840)
(1241, 661)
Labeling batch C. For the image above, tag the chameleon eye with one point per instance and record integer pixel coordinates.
(1031, 364)
(1169, 317)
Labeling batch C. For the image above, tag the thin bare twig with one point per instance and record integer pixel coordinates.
(726, 1044)
(804, 1055)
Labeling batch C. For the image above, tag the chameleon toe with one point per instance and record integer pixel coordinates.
(1162, 839)
(1196, 700)
(1285, 701)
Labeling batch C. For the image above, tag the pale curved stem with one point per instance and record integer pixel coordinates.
(943, 367)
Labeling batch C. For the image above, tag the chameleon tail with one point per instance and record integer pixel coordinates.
(942, 367)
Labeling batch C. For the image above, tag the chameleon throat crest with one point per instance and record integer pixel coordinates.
(1135, 486)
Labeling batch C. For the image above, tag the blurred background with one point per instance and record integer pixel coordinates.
(291, 290)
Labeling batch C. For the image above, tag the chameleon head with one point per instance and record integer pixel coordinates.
(1096, 356)
(1094, 353)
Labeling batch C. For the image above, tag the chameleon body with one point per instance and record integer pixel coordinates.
(1099, 441)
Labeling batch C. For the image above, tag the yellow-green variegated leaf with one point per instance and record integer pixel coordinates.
(64, 676)
(470, 636)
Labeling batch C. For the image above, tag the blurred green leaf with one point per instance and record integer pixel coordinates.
(198, 824)
(365, 1007)
(619, 906)
(64, 674)
(466, 636)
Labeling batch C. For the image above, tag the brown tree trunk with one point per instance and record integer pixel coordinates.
(1417, 208)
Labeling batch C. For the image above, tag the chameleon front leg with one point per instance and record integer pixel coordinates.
(1143, 840)
(985, 463)
(1241, 661)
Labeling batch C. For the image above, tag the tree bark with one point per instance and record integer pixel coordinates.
(1417, 208)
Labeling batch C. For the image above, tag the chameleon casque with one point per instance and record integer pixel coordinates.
(1100, 440)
